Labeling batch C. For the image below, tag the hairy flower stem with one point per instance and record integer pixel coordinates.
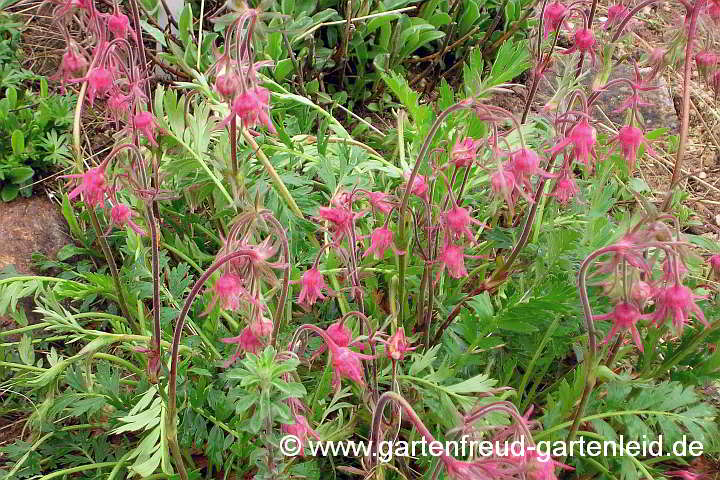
(590, 358)
(280, 308)
(685, 121)
(111, 264)
(141, 47)
(402, 219)
(171, 417)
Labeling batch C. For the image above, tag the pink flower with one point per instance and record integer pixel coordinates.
(503, 184)
(253, 108)
(313, 283)
(246, 342)
(458, 220)
(706, 61)
(584, 43)
(227, 84)
(630, 138)
(340, 334)
(261, 327)
(72, 65)
(624, 317)
(341, 221)
(713, 10)
(380, 201)
(542, 468)
(121, 215)
(228, 290)
(564, 189)
(419, 186)
(145, 122)
(118, 105)
(626, 249)
(583, 138)
(453, 258)
(677, 302)
(641, 292)
(553, 17)
(684, 474)
(347, 364)
(397, 345)
(92, 186)
(464, 152)
(119, 24)
(300, 429)
(100, 80)
(616, 14)
(524, 162)
(380, 240)
(714, 262)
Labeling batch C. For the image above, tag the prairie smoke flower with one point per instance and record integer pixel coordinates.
(458, 220)
(72, 65)
(624, 317)
(253, 108)
(714, 262)
(626, 249)
(313, 283)
(227, 84)
(564, 189)
(524, 162)
(228, 290)
(118, 105)
(706, 61)
(380, 201)
(542, 468)
(419, 186)
(246, 342)
(145, 122)
(301, 430)
(452, 257)
(641, 292)
(121, 215)
(553, 17)
(92, 186)
(119, 24)
(582, 137)
(347, 364)
(464, 152)
(261, 327)
(713, 10)
(341, 221)
(100, 80)
(630, 138)
(397, 345)
(380, 240)
(340, 334)
(616, 14)
(503, 183)
(584, 43)
(670, 268)
(677, 302)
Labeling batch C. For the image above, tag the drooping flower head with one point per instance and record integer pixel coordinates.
(419, 186)
(584, 43)
(121, 215)
(714, 262)
(313, 284)
(228, 290)
(452, 257)
(347, 364)
(616, 14)
(397, 345)
(252, 106)
(119, 24)
(72, 66)
(553, 17)
(341, 221)
(706, 61)
(227, 84)
(624, 317)
(100, 80)
(676, 302)
(145, 122)
(582, 137)
(565, 188)
(118, 105)
(464, 152)
(92, 186)
(301, 430)
(340, 334)
(380, 240)
(630, 138)
(458, 221)
(246, 342)
(380, 201)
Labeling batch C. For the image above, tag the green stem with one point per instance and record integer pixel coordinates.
(81, 468)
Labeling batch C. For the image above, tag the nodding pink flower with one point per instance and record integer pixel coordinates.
(706, 61)
(584, 43)
(616, 14)
(419, 186)
(92, 186)
(503, 184)
(397, 345)
(341, 221)
(118, 105)
(100, 80)
(246, 342)
(714, 262)
(458, 220)
(347, 364)
(677, 302)
(380, 240)
(121, 215)
(713, 11)
(564, 189)
(583, 137)
(72, 66)
(119, 24)
(553, 17)
(625, 250)
(380, 200)
(301, 430)
(340, 334)
(524, 162)
(630, 138)
(145, 122)
(228, 290)
(452, 257)
(227, 84)
(624, 317)
(542, 468)
(464, 152)
(253, 108)
(671, 267)
(313, 283)
(261, 327)
(684, 474)
(641, 292)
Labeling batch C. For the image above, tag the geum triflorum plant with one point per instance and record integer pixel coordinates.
(384, 270)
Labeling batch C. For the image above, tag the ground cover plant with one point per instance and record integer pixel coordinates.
(251, 260)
